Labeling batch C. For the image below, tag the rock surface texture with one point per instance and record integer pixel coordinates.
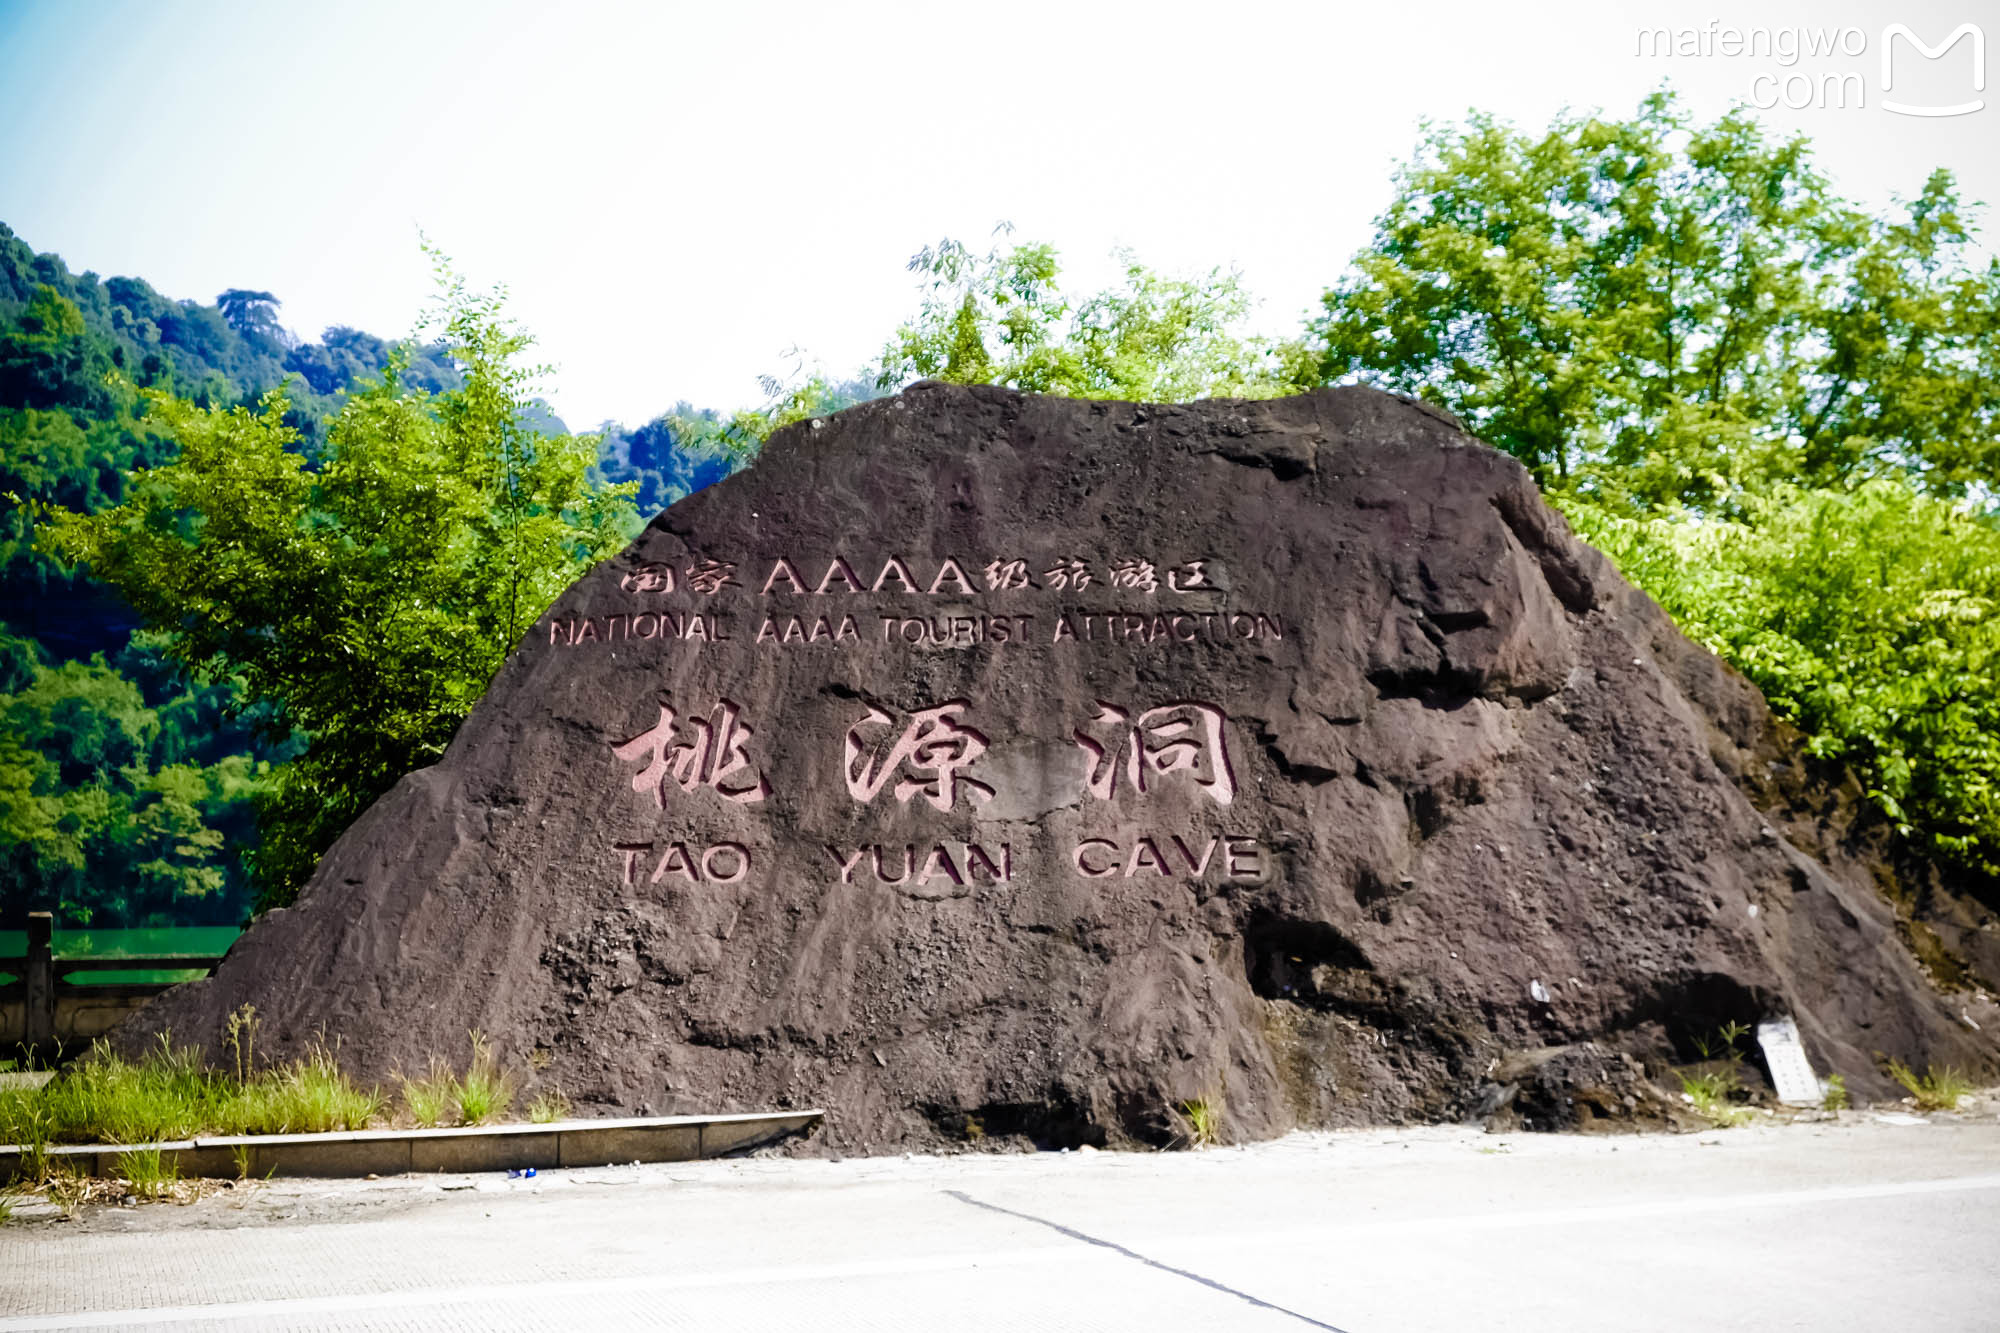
(983, 765)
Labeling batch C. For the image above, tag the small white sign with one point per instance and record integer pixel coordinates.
(1791, 1073)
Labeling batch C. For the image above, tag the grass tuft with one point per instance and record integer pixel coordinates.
(1936, 1090)
(1836, 1093)
(149, 1173)
(1198, 1121)
(432, 1099)
(240, 1035)
(486, 1091)
(1713, 1091)
(168, 1094)
(106, 1098)
(1710, 1095)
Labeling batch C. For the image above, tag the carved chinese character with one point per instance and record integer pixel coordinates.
(1068, 574)
(651, 577)
(708, 755)
(711, 576)
(1173, 738)
(1005, 575)
(932, 750)
(1134, 574)
(1188, 577)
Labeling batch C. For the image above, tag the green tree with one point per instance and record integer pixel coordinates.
(367, 601)
(1657, 312)
(49, 359)
(1779, 414)
(1003, 318)
(254, 315)
(1870, 615)
(107, 815)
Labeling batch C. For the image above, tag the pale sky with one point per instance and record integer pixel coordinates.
(675, 194)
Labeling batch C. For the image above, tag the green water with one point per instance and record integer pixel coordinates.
(162, 942)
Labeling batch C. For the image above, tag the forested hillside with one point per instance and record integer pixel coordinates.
(128, 791)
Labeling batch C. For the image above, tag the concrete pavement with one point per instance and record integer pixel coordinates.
(1855, 1224)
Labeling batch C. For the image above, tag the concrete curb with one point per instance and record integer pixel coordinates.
(388, 1152)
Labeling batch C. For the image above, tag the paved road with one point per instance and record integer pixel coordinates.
(1857, 1225)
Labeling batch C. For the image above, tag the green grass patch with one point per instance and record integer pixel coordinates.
(169, 1094)
(487, 1090)
(442, 1096)
(309, 1096)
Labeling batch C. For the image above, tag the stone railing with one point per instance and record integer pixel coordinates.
(44, 1014)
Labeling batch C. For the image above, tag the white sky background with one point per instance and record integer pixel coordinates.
(677, 193)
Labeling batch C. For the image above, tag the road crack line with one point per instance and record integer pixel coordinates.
(1134, 1255)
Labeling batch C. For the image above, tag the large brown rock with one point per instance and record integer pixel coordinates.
(980, 762)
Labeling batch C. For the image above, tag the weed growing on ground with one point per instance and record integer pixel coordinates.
(1710, 1094)
(65, 1186)
(240, 1036)
(1936, 1090)
(310, 1096)
(433, 1098)
(548, 1107)
(1836, 1093)
(148, 1173)
(1724, 1045)
(30, 1128)
(486, 1091)
(167, 1094)
(327, 1099)
(1198, 1121)
(104, 1096)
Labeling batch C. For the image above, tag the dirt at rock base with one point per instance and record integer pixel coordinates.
(982, 766)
